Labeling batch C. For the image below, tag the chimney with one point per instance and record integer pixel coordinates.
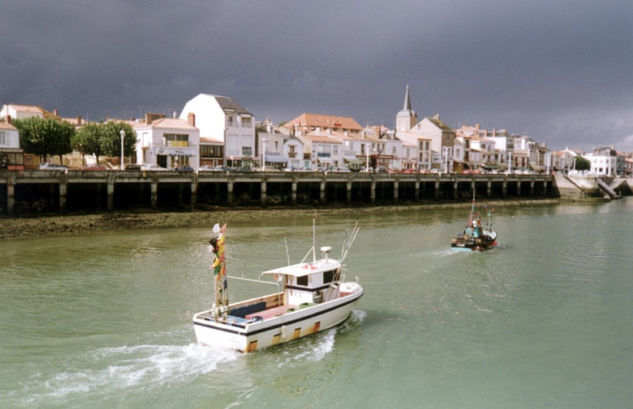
(174, 115)
(191, 118)
(79, 120)
(8, 118)
(149, 117)
(55, 112)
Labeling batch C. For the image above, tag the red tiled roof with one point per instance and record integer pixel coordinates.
(324, 121)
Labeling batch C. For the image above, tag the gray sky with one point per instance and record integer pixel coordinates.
(560, 71)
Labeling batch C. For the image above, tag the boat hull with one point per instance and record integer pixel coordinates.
(249, 337)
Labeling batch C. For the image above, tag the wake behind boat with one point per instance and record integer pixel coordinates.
(475, 236)
(314, 298)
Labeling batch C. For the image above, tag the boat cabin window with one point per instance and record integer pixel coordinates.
(303, 280)
(328, 276)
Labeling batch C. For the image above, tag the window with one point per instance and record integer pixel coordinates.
(3, 139)
(335, 149)
(303, 280)
(247, 151)
(328, 276)
(211, 151)
(176, 140)
(229, 120)
(291, 151)
(246, 121)
(393, 150)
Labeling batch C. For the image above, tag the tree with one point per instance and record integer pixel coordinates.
(88, 140)
(44, 137)
(110, 140)
(582, 163)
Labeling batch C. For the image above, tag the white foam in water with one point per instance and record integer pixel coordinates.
(118, 369)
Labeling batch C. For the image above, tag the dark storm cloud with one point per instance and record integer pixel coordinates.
(558, 71)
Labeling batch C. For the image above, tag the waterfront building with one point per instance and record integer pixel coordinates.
(324, 151)
(16, 111)
(167, 142)
(309, 122)
(221, 120)
(11, 156)
(563, 159)
(270, 146)
(293, 150)
(603, 161)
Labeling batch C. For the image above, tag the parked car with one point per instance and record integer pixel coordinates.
(151, 167)
(51, 166)
(208, 168)
(184, 168)
(133, 166)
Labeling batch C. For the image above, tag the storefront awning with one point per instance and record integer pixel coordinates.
(353, 161)
(272, 158)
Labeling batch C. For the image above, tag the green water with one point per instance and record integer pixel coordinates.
(544, 321)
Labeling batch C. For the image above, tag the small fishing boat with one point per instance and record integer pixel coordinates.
(476, 237)
(313, 297)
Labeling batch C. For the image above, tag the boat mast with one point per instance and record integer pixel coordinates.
(472, 209)
(220, 285)
(314, 238)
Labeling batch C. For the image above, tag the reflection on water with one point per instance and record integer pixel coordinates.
(542, 321)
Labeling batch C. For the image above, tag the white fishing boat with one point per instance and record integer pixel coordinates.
(313, 297)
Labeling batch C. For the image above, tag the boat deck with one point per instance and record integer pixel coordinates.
(271, 312)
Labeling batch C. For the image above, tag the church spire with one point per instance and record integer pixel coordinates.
(407, 101)
(406, 118)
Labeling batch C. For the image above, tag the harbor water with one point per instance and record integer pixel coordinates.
(543, 321)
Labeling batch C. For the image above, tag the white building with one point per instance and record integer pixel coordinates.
(15, 111)
(603, 162)
(168, 142)
(221, 119)
(11, 156)
(9, 136)
(294, 150)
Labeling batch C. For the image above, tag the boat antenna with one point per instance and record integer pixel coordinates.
(287, 253)
(350, 241)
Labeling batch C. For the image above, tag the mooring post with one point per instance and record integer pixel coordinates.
(194, 191)
(229, 191)
(11, 194)
(110, 192)
(518, 188)
(154, 193)
(294, 191)
(263, 194)
(322, 192)
(416, 186)
(489, 188)
(348, 192)
(63, 190)
(532, 187)
(504, 187)
(372, 192)
(455, 186)
(436, 190)
(396, 185)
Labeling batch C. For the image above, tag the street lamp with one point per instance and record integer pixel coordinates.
(263, 153)
(122, 133)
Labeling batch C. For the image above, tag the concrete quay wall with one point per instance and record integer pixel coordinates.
(38, 191)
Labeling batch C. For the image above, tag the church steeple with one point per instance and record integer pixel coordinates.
(407, 101)
(407, 117)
